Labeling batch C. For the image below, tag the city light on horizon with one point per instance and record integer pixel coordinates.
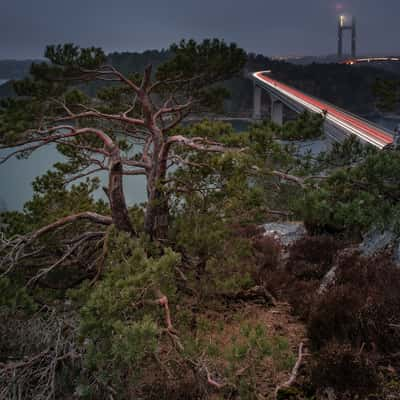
(339, 6)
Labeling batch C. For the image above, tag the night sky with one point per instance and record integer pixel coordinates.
(271, 27)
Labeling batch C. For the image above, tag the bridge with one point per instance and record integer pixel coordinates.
(352, 61)
(338, 124)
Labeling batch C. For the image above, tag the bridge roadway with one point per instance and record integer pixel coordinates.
(352, 61)
(338, 123)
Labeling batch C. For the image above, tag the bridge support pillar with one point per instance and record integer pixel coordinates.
(256, 102)
(276, 111)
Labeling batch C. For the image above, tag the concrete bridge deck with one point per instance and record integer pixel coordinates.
(338, 123)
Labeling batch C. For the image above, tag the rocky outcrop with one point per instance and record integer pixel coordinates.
(286, 232)
(376, 241)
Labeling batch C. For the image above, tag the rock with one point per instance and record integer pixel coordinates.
(375, 241)
(328, 280)
(286, 233)
(396, 254)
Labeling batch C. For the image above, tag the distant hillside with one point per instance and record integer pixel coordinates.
(346, 86)
(6, 90)
(14, 69)
(343, 85)
(125, 62)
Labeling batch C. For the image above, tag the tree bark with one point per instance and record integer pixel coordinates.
(157, 211)
(119, 210)
(157, 215)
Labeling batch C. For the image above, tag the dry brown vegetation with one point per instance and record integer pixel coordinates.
(353, 324)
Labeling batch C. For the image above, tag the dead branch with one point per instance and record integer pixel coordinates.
(295, 371)
(291, 178)
(14, 249)
(47, 343)
(87, 215)
(101, 260)
(69, 252)
(93, 113)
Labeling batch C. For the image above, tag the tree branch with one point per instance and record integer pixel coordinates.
(295, 371)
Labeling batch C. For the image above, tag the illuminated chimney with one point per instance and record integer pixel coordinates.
(342, 26)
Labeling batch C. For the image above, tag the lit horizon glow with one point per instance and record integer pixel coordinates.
(339, 7)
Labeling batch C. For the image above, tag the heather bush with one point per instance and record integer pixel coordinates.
(361, 308)
(312, 256)
(336, 316)
(267, 251)
(344, 369)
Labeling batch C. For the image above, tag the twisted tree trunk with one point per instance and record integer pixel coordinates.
(157, 215)
(119, 210)
(157, 211)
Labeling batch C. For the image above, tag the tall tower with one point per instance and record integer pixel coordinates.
(342, 26)
(353, 38)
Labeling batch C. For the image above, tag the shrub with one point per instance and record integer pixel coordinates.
(347, 200)
(14, 297)
(334, 316)
(247, 231)
(362, 307)
(306, 126)
(377, 281)
(340, 367)
(267, 251)
(301, 295)
(309, 260)
(119, 320)
(312, 256)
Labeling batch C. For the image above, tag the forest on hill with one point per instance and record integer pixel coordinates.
(352, 88)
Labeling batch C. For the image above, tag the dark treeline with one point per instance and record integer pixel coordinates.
(346, 86)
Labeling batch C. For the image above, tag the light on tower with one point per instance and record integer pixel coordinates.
(342, 20)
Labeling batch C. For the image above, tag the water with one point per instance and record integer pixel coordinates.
(387, 122)
(16, 176)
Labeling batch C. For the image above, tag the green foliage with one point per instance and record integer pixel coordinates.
(348, 152)
(236, 186)
(70, 55)
(195, 68)
(306, 126)
(16, 116)
(211, 60)
(355, 199)
(119, 317)
(52, 200)
(249, 351)
(387, 93)
(14, 297)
